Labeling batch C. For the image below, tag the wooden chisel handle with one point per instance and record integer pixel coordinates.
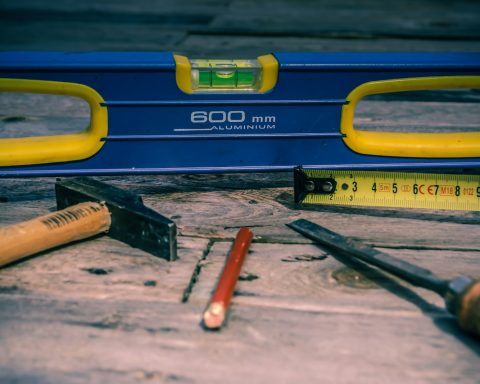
(468, 309)
(73, 223)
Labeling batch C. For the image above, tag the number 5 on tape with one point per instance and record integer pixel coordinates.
(387, 189)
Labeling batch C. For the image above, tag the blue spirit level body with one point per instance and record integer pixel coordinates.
(163, 113)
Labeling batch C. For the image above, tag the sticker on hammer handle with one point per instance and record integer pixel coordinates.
(71, 215)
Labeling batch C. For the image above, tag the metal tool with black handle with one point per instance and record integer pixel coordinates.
(461, 294)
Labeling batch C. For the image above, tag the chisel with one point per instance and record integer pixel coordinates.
(461, 294)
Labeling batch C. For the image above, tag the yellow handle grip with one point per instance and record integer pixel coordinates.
(59, 148)
(426, 145)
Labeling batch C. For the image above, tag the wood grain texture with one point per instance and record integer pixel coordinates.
(89, 299)
(212, 27)
(199, 212)
(101, 341)
(104, 268)
(303, 276)
(99, 311)
(351, 19)
(232, 45)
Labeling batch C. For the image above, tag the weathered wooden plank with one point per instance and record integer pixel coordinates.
(425, 18)
(348, 19)
(104, 268)
(306, 278)
(100, 311)
(99, 36)
(124, 341)
(125, 25)
(118, 6)
(217, 213)
(23, 198)
(233, 27)
(412, 116)
(225, 44)
(29, 114)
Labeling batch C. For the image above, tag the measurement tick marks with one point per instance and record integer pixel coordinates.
(389, 189)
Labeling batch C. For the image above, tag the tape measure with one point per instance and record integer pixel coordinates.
(387, 189)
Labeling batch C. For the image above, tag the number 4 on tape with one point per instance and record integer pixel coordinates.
(387, 189)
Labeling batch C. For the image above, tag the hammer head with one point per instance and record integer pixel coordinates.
(132, 222)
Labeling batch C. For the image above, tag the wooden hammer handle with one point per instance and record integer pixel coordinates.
(73, 223)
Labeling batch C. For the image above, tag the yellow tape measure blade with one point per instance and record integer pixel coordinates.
(388, 189)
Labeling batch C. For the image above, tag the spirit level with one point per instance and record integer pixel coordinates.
(387, 189)
(160, 112)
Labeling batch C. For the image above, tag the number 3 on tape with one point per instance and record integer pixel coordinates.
(387, 189)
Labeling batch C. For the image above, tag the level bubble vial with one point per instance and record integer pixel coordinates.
(226, 75)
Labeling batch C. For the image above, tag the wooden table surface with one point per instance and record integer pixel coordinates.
(100, 311)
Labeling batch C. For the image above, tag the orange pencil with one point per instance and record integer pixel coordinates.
(214, 316)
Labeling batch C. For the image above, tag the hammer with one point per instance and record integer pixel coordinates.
(88, 207)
